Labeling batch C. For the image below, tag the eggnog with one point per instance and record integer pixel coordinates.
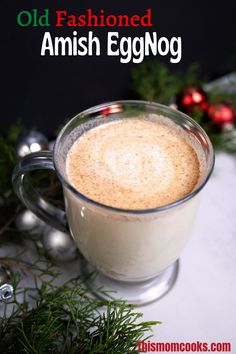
(133, 164)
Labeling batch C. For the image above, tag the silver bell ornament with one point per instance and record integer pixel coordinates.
(59, 245)
(32, 142)
(6, 289)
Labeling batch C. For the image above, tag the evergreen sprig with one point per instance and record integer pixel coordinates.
(154, 81)
(68, 319)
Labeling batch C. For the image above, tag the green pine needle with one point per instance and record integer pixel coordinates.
(154, 81)
(68, 319)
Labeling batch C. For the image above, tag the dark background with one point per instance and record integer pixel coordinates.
(44, 91)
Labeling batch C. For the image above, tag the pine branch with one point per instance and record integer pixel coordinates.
(67, 319)
(154, 81)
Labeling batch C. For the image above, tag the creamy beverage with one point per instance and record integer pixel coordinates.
(133, 164)
(131, 173)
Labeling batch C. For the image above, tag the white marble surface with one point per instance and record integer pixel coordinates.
(202, 304)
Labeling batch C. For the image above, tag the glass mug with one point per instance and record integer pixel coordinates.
(135, 252)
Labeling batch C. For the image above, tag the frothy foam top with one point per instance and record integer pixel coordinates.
(134, 163)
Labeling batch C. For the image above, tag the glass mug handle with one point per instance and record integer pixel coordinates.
(42, 160)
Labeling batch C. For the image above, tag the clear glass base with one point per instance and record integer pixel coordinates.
(138, 293)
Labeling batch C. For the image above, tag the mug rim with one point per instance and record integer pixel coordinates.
(165, 207)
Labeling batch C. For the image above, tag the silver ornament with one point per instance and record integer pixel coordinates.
(59, 245)
(28, 221)
(33, 142)
(6, 289)
(6, 292)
